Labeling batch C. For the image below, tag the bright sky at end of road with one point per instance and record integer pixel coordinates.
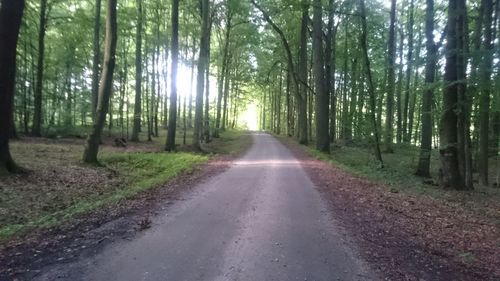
(250, 117)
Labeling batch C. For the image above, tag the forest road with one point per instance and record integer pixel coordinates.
(262, 219)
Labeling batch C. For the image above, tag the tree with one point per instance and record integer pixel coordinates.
(300, 78)
(330, 43)
(452, 150)
(391, 55)
(424, 162)
(172, 120)
(371, 87)
(96, 57)
(301, 84)
(106, 85)
(406, 102)
(322, 100)
(42, 27)
(224, 73)
(138, 75)
(484, 103)
(11, 13)
(202, 68)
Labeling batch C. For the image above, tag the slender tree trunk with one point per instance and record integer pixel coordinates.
(322, 101)
(206, 125)
(484, 104)
(330, 43)
(202, 68)
(413, 100)
(364, 45)
(228, 82)
(302, 77)
(37, 117)
(408, 73)
(399, 109)
(138, 75)
(166, 97)
(106, 85)
(96, 56)
(172, 120)
(149, 99)
(190, 99)
(345, 107)
(423, 168)
(391, 55)
(353, 101)
(223, 74)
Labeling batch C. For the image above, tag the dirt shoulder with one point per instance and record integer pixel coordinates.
(405, 236)
(23, 256)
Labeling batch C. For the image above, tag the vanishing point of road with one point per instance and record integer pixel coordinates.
(262, 219)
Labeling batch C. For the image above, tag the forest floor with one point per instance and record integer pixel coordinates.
(408, 228)
(49, 208)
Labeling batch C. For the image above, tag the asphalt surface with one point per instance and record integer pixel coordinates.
(262, 219)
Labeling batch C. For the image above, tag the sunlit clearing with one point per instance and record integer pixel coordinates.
(184, 86)
(250, 117)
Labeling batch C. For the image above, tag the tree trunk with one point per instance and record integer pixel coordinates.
(322, 101)
(106, 85)
(206, 119)
(484, 103)
(37, 117)
(413, 101)
(408, 73)
(302, 77)
(399, 109)
(138, 75)
(190, 99)
(345, 107)
(223, 73)
(452, 172)
(364, 45)
(202, 68)
(423, 168)
(172, 120)
(330, 67)
(353, 100)
(96, 57)
(391, 55)
(11, 13)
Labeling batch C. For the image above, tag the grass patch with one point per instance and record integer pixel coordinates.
(134, 173)
(59, 187)
(231, 142)
(142, 171)
(399, 171)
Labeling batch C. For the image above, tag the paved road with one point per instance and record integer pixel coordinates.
(262, 219)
